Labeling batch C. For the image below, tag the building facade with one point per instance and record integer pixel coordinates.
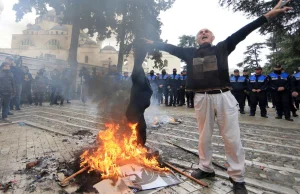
(47, 39)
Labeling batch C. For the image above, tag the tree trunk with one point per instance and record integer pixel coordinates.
(122, 39)
(121, 49)
(72, 59)
(255, 54)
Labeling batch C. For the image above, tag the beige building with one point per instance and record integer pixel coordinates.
(47, 39)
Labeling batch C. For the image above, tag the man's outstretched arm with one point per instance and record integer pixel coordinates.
(179, 52)
(241, 34)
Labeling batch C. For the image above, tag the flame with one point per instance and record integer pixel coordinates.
(155, 121)
(115, 149)
(172, 120)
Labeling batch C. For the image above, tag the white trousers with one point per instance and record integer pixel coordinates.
(224, 108)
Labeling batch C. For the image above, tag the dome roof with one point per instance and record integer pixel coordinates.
(109, 48)
(34, 27)
(60, 27)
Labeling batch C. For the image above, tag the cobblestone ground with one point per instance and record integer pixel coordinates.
(272, 147)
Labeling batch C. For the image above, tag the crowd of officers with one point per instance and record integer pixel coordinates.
(283, 90)
(169, 89)
(16, 82)
(17, 85)
(279, 87)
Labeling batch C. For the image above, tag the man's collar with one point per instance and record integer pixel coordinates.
(204, 46)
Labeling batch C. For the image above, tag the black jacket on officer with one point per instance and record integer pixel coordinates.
(239, 85)
(296, 82)
(258, 82)
(282, 98)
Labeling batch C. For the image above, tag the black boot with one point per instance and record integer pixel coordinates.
(238, 188)
(295, 114)
(199, 174)
(278, 117)
(242, 112)
(289, 119)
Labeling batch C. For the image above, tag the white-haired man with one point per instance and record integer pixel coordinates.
(207, 75)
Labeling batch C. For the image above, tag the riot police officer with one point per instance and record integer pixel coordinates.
(162, 86)
(153, 82)
(247, 93)
(257, 85)
(173, 85)
(181, 94)
(125, 77)
(280, 83)
(239, 85)
(296, 85)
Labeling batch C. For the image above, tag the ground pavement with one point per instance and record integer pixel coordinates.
(272, 147)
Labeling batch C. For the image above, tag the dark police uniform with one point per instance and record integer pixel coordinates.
(247, 93)
(282, 98)
(153, 83)
(295, 84)
(174, 83)
(296, 87)
(162, 80)
(181, 91)
(125, 78)
(258, 82)
(239, 84)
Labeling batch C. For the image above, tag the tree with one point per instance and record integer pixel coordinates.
(252, 56)
(285, 29)
(139, 19)
(96, 16)
(187, 41)
(285, 50)
(286, 23)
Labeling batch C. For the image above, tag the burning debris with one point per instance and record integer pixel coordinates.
(156, 124)
(174, 121)
(115, 149)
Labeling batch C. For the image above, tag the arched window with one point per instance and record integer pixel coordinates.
(86, 59)
(53, 44)
(24, 44)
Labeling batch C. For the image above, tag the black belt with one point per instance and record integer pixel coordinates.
(214, 91)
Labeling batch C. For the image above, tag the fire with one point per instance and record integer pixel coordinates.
(155, 121)
(116, 149)
(172, 120)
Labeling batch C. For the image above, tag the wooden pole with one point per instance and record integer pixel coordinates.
(195, 154)
(186, 175)
(74, 175)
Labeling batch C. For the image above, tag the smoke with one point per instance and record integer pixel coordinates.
(108, 95)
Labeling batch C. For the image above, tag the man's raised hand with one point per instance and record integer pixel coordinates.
(277, 10)
(147, 41)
